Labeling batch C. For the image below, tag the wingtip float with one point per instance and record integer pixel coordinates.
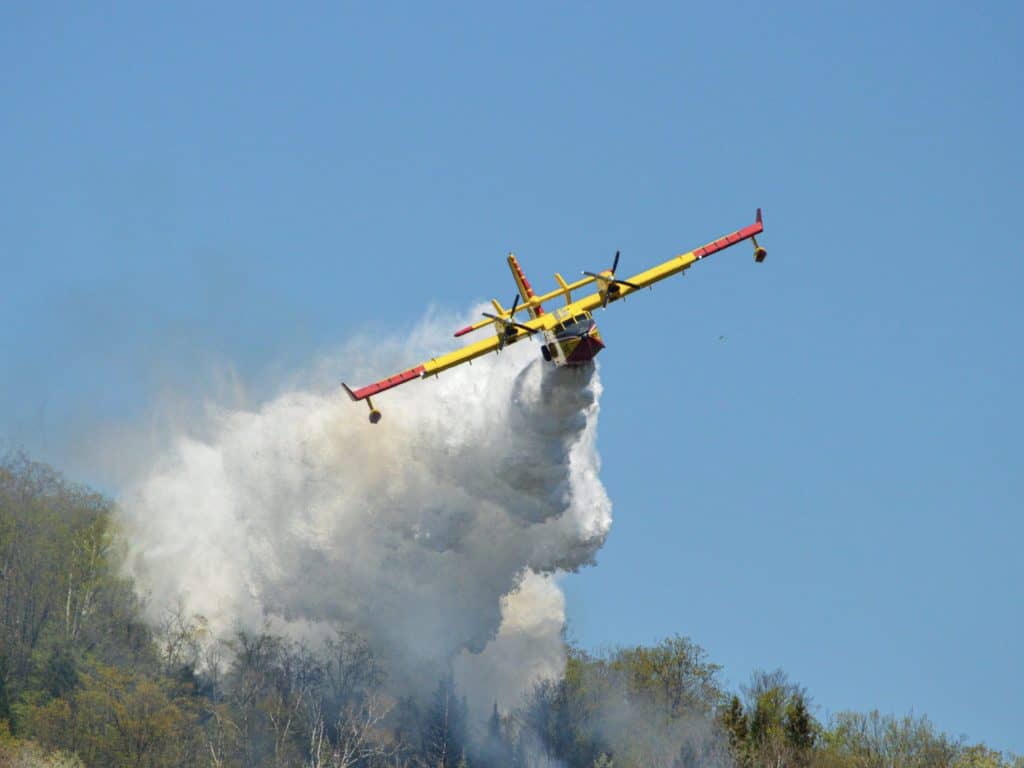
(570, 334)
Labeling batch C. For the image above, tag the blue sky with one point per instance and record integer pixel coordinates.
(835, 487)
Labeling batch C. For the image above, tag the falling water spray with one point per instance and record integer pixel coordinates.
(437, 535)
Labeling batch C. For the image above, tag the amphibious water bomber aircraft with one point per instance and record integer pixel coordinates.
(569, 333)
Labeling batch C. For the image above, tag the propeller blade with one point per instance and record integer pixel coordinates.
(614, 280)
(515, 306)
(504, 321)
(615, 264)
(508, 324)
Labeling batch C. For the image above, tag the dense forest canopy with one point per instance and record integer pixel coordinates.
(85, 681)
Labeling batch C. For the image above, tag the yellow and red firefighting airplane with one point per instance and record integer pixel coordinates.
(570, 333)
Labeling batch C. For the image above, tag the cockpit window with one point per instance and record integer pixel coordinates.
(577, 326)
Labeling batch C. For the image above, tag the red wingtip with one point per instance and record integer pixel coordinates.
(391, 381)
(463, 331)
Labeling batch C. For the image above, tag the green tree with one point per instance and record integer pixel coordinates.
(980, 756)
(800, 729)
(734, 722)
(874, 740)
(118, 719)
(675, 673)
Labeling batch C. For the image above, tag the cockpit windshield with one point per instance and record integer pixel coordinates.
(576, 326)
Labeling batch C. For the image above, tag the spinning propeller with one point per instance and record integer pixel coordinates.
(609, 280)
(510, 328)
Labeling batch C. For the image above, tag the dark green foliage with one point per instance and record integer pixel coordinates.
(60, 672)
(5, 702)
(734, 721)
(798, 726)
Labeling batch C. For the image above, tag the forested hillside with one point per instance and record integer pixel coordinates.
(84, 680)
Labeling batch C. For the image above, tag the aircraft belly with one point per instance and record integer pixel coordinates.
(573, 350)
(583, 350)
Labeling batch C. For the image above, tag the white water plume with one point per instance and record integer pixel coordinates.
(427, 533)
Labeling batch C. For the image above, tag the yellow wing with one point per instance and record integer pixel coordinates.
(610, 289)
(514, 333)
(435, 365)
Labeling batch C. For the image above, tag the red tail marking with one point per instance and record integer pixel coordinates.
(526, 285)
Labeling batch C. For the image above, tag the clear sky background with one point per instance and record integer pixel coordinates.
(815, 462)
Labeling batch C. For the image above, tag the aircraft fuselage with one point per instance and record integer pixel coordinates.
(575, 340)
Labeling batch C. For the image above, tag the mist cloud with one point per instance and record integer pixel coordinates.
(434, 534)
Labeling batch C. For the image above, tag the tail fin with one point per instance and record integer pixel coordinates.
(524, 286)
